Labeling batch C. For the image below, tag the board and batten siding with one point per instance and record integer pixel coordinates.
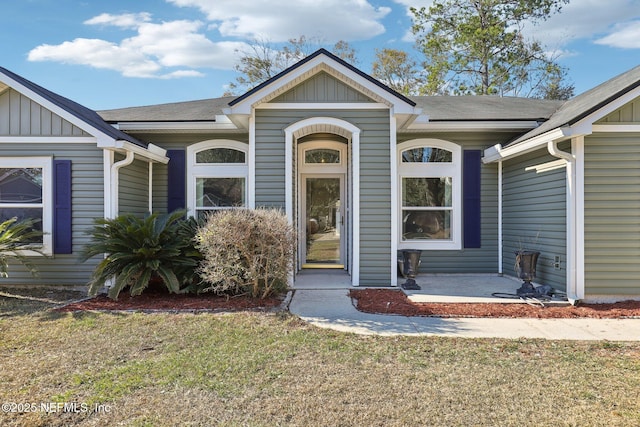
(628, 113)
(534, 216)
(20, 116)
(375, 178)
(469, 260)
(322, 88)
(612, 215)
(87, 204)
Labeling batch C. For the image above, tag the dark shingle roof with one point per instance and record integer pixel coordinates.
(438, 108)
(588, 102)
(201, 110)
(479, 108)
(81, 112)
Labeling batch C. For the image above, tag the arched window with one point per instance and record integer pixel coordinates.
(322, 156)
(430, 194)
(217, 176)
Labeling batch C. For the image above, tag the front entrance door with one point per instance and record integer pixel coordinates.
(323, 206)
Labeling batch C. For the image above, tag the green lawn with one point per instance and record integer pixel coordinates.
(272, 369)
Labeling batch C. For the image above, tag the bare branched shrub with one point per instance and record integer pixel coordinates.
(246, 251)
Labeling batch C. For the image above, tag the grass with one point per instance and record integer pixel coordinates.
(272, 369)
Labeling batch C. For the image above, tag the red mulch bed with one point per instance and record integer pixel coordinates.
(386, 301)
(157, 300)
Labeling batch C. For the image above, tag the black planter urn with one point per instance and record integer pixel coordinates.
(525, 266)
(410, 265)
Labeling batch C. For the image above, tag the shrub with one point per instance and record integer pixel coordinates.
(16, 237)
(138, 249)
(246, 252)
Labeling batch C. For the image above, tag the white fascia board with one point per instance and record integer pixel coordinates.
(179, 126)
(48, 139)
(496, 153)
(240, 121)
(617, 128)
(472, 126)
(152, 153)
(71, 118)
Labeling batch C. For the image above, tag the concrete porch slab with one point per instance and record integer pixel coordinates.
(322, 279)
(441, 288)
(463, 288)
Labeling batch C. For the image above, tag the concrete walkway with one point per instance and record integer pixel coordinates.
(333, 309)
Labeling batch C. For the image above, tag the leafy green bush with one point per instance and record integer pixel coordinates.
(246, 252)
(138, 249)
(16, 237)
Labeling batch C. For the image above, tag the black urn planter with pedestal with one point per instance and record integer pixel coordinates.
(526, 268)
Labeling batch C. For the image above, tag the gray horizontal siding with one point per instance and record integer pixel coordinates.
(87, 204)
(375, 194)
(375, 199)
(612, 215)
(20, 115)
(470, 260)
(534, 216)
(175, 142)
(134, 188)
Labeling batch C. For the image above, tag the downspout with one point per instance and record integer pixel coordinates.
(150, 187)
(115, 181)
(570, 159)
(500, 245)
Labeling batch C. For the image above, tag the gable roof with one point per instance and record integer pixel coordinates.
(241, 108)
(78, 111)
(587, 103)
(310, 58)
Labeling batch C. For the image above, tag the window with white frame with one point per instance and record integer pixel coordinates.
(25, 193)
(217, 176)
(429, 180)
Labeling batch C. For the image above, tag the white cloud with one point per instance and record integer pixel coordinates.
(596, 20)
(626, 35)
(147, 54)
(584, 19)
(414, 3)
(173, 49)
(329, 20)
(126, 20)
(98, 54)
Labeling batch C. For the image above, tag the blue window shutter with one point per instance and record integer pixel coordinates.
(62, 242)
(472, 163)
(177, 180)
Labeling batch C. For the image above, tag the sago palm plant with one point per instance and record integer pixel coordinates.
(138, 249)
(16, 237)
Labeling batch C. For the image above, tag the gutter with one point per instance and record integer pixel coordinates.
(498, 153)
(152, 152)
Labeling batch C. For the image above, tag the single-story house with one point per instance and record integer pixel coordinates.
(362, 172)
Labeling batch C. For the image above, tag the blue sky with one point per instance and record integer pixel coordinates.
(119, 53)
